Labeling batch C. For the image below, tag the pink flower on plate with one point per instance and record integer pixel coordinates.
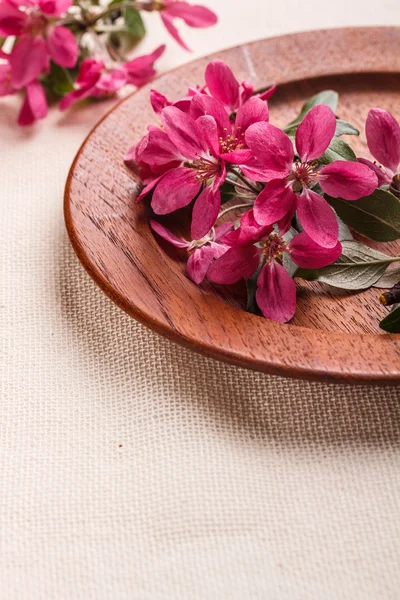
(193, 15)
(276, 290)
(224, 87)
(383, 137)
(153, 156)
(206, 141)
(289, 186)
(95, 80)
(202, 252)
(39, 39)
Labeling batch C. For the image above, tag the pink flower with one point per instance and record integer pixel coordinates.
(35, 104)
(95, 80)
(153, 156)
(276, 290)
(192, 15)
(289, 184)
(38, 38)
(205, 140)
(140, 70)
(202, 252)
(383, 137)
(224, 87)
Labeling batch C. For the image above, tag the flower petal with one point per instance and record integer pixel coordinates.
(347, 180)
(199, 262)
(315, 132)
(168, 19)
(272, 148)
(140, 70)
(276, 293)
(307, 254)
(252, 111)
(384, 177)
(268, 93)
(274, 202)
(62, 47)
(109, 83)
(383, 137)
(54, 8)
(156, 149)
(183, 132)
(193, 15)
(222, 83)
(89, 72)
(248, 232)
(149, 187)
(34, 106)
(222, 230)
(158, 101)
(237, 263)
(205, 212)
(176, 189)
(209, 131)
(238, 157)
(12, 20)
(75, 96)
(27, 59)
(207, 105)
(318, 219)
(166, 234)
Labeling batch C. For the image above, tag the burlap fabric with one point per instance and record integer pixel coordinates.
(131, 468)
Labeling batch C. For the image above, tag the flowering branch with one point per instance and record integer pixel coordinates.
(57, 49)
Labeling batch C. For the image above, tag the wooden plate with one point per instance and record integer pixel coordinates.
(334, 335)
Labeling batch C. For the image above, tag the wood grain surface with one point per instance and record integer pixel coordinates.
(334, 335)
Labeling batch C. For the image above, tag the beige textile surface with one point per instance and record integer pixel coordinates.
(131, 468)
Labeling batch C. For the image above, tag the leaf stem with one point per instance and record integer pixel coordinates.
(224, 212)
(245, 181)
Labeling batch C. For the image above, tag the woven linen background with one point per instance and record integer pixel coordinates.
(133, 469)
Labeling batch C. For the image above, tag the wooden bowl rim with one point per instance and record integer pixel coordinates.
(389, 344)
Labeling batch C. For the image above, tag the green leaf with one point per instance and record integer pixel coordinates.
(328, 97)
(376, 217)
(391, 323)
(59, 80)
(121, 43)
(344, 231)
(358, 268)
(134, 23)
(228, 191)
(343, 128)
(338, 150)
(389, 278)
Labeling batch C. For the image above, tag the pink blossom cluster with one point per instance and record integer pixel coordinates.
(220, 134)
(41, 32)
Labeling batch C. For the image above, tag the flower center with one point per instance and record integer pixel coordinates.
(274, 247)
(205, 169)
(207, 239)
(305, 173)
(230, 143)
(36, 23)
